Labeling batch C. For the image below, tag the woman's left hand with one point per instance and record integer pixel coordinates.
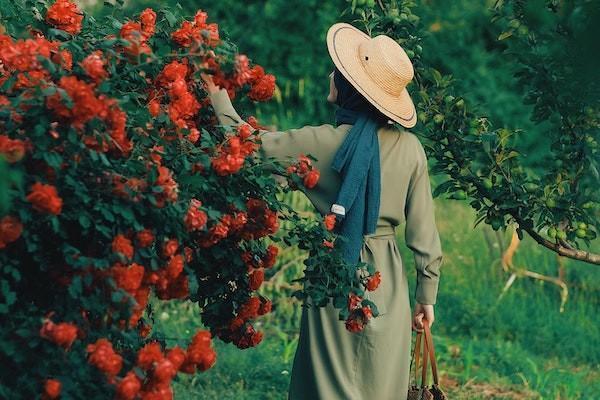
(209, 83)
(422, 311)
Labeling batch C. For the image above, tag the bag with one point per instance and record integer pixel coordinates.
(422, 392)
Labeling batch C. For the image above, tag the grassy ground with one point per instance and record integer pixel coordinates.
(518, 347)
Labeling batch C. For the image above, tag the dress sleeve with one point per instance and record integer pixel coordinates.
(279, 144)
(421, 232)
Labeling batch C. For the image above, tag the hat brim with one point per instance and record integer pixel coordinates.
(343, 41)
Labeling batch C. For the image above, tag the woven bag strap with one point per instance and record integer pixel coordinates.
(431, 350)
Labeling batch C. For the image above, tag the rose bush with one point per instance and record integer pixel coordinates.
(129, 189)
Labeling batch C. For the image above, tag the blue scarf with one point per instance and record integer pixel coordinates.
(357, 162)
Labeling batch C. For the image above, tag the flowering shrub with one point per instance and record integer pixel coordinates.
(130, 188)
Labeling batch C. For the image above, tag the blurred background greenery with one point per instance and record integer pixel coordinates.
(519, 346)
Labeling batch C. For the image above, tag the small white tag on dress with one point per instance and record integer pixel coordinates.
(338, 209)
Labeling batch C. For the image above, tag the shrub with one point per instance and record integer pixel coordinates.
(129, 187)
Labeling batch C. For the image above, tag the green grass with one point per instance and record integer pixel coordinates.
(518, 347)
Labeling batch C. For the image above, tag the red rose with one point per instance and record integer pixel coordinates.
(249, 309)
(304, 164)
(244, 131)
(209, 357)
(154, 107)
(10, 230)
(64, 58)
(373, 281)
(188, 254)
(263, 89)
(52, 389)
(265, 307)
(170, 248)
(93, 65)
(128, 278)
(65, 15)
(311, 178)
(62, 334)
(122, 245)
(195, 218)
(164, 370)
(354, 324)
(103, 357)
(177, 356)
(257, 277)
(148, 21)
(44, 198)
(145, 238)
(85, 105)
(271, 257)
(367, 312)
(353, 301)
(148, 355)
(328, 243)
(13, 150)
(329, 221)
(132, 32)
(202, 338)
(175, 266)
(129, 387)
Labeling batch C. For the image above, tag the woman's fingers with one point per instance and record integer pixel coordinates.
(417, 323)
(208, 82)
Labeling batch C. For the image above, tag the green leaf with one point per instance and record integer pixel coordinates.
(505, 35)
(171, 19)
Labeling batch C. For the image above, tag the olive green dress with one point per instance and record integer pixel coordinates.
(332, 363)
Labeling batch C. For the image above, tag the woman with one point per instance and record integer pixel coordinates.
(373, 175)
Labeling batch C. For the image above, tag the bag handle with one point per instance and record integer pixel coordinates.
(424, 368)
(426, 337)
(431, 350)
(416, 354)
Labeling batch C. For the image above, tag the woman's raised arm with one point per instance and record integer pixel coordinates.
(281, 145)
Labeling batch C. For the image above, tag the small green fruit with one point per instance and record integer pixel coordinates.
(581, 233)
(523, 30)
(550, 202)
(460, 104)
(438, 118)
(561, 234)
(582, 225)
(487, 183)
(460, 195)
(449, 99)
(552, 232)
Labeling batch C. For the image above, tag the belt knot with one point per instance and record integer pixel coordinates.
(383, 232)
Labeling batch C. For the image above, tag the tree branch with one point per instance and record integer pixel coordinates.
(573, 253)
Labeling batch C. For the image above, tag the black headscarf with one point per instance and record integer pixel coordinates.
(351, 99)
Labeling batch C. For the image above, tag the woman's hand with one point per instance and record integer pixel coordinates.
(209, 84)
(422, 311)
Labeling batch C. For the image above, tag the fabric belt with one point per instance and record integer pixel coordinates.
(383, 232)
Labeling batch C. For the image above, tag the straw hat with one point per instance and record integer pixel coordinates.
(377, 67)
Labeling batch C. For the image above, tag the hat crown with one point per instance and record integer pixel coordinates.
(386, 63)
